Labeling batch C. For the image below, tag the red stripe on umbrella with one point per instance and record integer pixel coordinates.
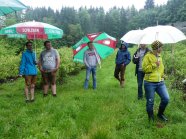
(108, 42)
(30, 30)
(79, 48)
(38, 36)
(93, 36)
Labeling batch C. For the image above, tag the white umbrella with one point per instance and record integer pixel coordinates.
(133, 36)
(164, 34)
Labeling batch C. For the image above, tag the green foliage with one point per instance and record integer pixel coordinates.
(9, 66)
(174, 59)
(109, 112)
(10, 60)
(149, 4)
(116, 21)
(67, 65)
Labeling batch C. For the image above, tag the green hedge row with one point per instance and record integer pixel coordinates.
(175, 63)
(9, 64)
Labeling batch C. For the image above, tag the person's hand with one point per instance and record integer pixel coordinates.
(164, 76)
(41, 70)
(123, 64)
(158, 63)
(55, 70)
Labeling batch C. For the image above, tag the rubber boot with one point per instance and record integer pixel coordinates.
(151, 116)
(160, 114)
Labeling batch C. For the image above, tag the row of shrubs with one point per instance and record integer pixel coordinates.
(174, 60)
(10, 64)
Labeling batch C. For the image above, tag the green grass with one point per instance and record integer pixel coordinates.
(109, 112)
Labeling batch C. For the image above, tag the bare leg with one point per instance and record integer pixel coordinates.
(46, 86)
(53, 83)
(26, 92)
(32, 91)
(53, 87)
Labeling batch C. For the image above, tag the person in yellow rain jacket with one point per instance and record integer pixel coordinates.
(153, 67)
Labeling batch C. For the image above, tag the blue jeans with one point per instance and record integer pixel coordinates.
(140, 77)
(88, 72)
(161, 90)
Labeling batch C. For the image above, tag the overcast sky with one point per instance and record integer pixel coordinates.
(106, 4)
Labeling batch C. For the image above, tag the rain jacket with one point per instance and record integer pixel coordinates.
(28, 63)
(123, 57)
(136, 60)
(153, 73)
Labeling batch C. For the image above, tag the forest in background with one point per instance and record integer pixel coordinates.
(76, 23)
(116, 21)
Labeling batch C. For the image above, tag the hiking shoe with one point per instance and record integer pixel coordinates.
(162, 117)
(122, 84)
(27, 100)
(140, 98)
(44, 95)
(32, 100)
(54, 95)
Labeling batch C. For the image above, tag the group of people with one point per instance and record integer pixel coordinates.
(149, 70)
(48, 64)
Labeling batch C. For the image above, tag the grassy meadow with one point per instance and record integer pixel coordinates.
(109, 112)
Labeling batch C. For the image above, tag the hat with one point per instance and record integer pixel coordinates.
(156, 44)
(124, 44)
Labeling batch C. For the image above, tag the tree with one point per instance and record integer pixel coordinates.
(84, 19)
(149, 4)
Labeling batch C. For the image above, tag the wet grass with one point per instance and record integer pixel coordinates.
(109, 112)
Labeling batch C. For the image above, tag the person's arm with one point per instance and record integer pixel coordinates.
(39, 63)
(57, 60)
(22, 65)
(128, 59)
(85, 60)
(34, 58)
(97, 57)
(147, 65)
(116, 57)
(135, 59)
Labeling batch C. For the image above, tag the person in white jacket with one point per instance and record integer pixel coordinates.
(91, 59)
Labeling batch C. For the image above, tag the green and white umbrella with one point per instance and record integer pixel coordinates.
(32, 30)
(10, 6)
(102, 42)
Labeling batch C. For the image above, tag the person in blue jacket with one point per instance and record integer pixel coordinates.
(123, 58)
(28, 70)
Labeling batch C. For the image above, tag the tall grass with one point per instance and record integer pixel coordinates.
(109, 112)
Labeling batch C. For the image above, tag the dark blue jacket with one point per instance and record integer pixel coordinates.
(123, 57)
(28, 63)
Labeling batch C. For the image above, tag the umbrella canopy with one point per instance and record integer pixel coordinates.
(164, 34)
(32, 30)
(103, 43)
(9, 6)
(133, 36)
